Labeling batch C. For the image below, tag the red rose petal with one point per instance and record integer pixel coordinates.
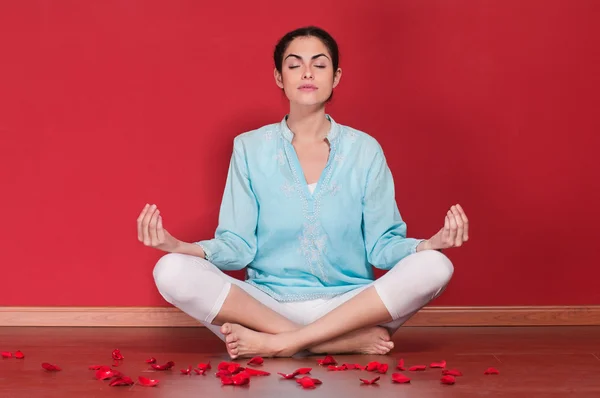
(50, 367)
(328, 360)
(374, 381)
(400, 365)
(448, 379)
(256, 372)
(382, 368)
(350, 366)
(371, 366)
(417, 368)
(233, 367)
(166, 366)
(116, 355)
(186, 371)
(121, 381)
(103, 374)
(288, 375)
(147, 382)
(400, 378)
(491, 371)
(151, 360)
(19, 355)
(223, 373)
(239, 379)
(303, 371)
(115, 364)
(336, 368)
(223, 365)
(451, 372)
(200, 372)
(256, 361)
(308, 382)
(204, 366)
(6, 354)
(441, 364)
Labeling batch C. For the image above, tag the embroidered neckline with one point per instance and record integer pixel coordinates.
(289, 135)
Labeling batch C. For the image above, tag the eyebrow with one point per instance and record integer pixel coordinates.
(300, 58)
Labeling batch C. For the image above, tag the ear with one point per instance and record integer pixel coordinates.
(337, 77)
(278, 78)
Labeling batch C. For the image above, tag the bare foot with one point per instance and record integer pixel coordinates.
(374, 340)
(242, 342)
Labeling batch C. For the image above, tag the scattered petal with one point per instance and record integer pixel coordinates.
(374, 381)
(151, 360)
(256, 361)
(371, 366)
(19, 355)
(121, 381)
(147, 382)
(448, 379)
(186, 371)
(256, 372)
(223, 373)
(308, 382)
(239, 379)
(382, 368)
(6, 354)
(50, 367)
(204, 366)
(336, 368)
(200, 372)
(116, 355)
(491, 371)
(103, 374)
(224, 365)
(328, 360)
(233, 368)
(400, 365)
(288, 375)
(350, 366)
(451, 372)
(303, 371)
(115, 364)
(441, 364)
(417, 368)
(400, 378)
(166, 366)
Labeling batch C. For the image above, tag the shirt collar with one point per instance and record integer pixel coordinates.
(289, 135)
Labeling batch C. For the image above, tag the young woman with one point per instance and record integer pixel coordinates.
(309, 207)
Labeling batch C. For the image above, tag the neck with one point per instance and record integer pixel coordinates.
(308, 123)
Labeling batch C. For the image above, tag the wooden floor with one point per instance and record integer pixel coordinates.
(533, 362)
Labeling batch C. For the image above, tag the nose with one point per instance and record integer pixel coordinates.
(307, 74)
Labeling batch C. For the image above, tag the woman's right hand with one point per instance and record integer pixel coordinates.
(151, 232)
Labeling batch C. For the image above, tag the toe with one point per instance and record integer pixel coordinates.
(226, 328)
(233, 345)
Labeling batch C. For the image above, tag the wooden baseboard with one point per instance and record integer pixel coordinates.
(173, 317)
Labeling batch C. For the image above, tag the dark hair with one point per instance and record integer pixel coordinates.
(307, 31)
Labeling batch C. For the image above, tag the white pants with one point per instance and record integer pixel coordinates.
(199, 289)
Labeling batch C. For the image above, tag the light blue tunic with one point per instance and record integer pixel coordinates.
(299, 245)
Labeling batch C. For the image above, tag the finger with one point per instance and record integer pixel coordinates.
(465, 222)
(145, 222)
(139, 222)
(453, 228)
(459, 226)
(152, 228)
(446, 229)
(160, 232)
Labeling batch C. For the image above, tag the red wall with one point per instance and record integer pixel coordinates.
(105, 106)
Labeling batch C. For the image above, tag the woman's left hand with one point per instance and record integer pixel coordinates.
(454, 233)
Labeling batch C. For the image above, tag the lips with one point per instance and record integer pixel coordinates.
(307, 87)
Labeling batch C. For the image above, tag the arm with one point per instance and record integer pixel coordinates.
(383, 228)
(234, 245)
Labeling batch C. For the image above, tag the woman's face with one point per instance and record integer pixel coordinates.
(307, 76)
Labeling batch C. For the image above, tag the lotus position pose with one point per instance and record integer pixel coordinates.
(308, 210)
